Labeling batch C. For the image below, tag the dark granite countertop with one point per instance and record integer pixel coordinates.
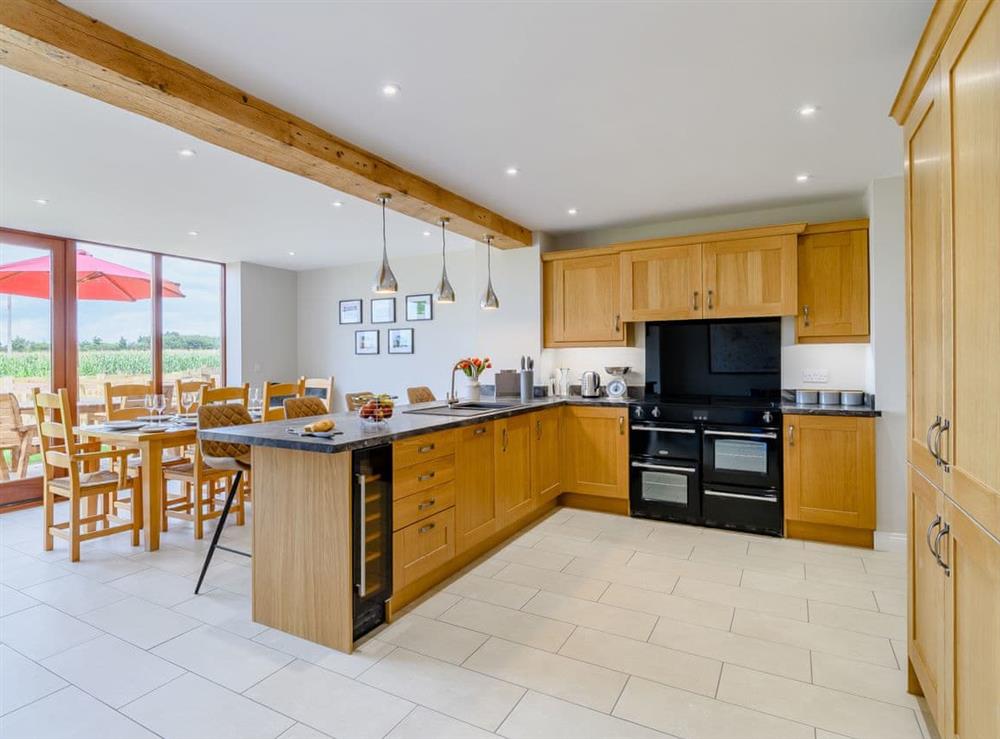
(357, 435)
(812, 409)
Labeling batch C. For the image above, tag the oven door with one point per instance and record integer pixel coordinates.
(740, 455)
(757, 510)
(664, 490)
(664, 441)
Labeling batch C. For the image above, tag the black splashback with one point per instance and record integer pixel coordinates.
(736, 357)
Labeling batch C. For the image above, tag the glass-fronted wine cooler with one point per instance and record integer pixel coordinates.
(372, 513)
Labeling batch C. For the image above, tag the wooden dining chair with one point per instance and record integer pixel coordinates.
(304, 407)
(126, 402)
(356, 400)
(193, 385)
(83, 479)
(420, 394)
(272, 408)
(320, 387)
(16, 436)
(235, 394)
(202, 493)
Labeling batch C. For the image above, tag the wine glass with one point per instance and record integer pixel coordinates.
(188, 401)
(149, 403)
(255, 399)
(160, 405)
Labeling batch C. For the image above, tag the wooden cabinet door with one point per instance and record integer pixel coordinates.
(585, 302)
(475, 504)
(925, 152)
(546, 452)
(970, 62)
(751, 277)
(512, 471)
(925, 611)
(833, 285)
(972, 628)
(662, 284)
(830, 470)
(595, 451)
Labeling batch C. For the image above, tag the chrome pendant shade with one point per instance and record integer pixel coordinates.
(385, 280)
(444, 292)
(490, 300)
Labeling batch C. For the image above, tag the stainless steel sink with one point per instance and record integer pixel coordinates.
(467, 408)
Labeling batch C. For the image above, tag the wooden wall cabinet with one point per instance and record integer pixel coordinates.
(829, 483)
(582, 302)
(662, 284)
(475, 502)
(751, 277)
(546, 454)
(833, 283)
(595, 451)
(512, 468)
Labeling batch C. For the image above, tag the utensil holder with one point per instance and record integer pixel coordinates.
(527, 385)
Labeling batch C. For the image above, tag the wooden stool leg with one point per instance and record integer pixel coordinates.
(136, 505)
(199, 508)
(74, 529)
(48, 503)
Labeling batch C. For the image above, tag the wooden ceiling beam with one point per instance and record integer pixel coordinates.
(53, 42)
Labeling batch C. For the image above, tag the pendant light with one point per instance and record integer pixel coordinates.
(444, 292)
(385, 280)
(490, 300)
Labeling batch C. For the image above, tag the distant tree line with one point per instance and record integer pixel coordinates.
(171, 340)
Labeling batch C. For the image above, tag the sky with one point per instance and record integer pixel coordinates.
(196, 313)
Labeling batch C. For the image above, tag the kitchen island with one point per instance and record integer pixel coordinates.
(459, 487)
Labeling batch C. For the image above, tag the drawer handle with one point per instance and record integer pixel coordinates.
(426, 504)
(426, 477)
(695, 300)
(943, 531)
(426, 448)
(934, 524)
(425, 529)
(479, 431)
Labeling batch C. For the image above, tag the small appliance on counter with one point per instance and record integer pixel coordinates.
(507, 383)
(617, 388)
(590, 384)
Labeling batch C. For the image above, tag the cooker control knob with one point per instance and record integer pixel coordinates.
(655, 413)
(767, 416)
(638, 412)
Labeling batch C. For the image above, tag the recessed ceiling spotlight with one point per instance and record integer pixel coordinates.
(390, 89)
(337, 203)
(186, 153)
(291, 254)
(511, 171)
(572, 211)
(427, 233)
(806, 111)
(803, 177)
(192, 233)
(41, 201)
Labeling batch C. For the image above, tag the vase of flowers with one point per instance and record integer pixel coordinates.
(473, 367)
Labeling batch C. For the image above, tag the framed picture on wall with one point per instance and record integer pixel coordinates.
(401, 341)
(350, 311)
(419, 307)
(366, 342)
(383, 310)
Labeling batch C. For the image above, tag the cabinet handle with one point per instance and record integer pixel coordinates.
(538, 429)
(618, 322)
(942, 462)
(710, 306)
(791, 435)
(426, 504)
(479, 431)
(426, 448)
(694, 305)
(425, 529)
(937, 549)
(805, 314)
(929, 443)
(621, 425)
(503, 445)
(934, 524)
(426, 476)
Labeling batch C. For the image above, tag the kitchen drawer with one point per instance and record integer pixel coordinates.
(426, 474)
(418, 449)
(426, 503)
(422, 547)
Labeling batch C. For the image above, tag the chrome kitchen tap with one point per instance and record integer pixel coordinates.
(452, 397)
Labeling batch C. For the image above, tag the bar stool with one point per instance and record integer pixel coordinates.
(310, 405)
(223, 455)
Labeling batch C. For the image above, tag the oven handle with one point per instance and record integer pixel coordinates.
(743, 434)
(759, 498)
(665, 429)
(668, 468)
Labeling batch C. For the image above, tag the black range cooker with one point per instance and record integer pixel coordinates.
(707, 460)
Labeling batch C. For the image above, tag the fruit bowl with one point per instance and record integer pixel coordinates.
(376, 410)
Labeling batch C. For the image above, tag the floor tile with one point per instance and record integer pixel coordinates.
(351, 665)
(562, 677)
(492, 591)
(835, 576)
(647, 579)
(767, 656)
(533, 557)
(850, 644)
(42, 631)
(455, 691)
(524, 628)
(746, 562)
(602, 616)
(140, 622)
(672, 606)
(553, 582)
(725, 574)
(433, 638)
(221, 608)
(102, 566)
(25, 574)
(540, 716)
(331, 703)
(809, 589)
(423, 723)
(69, 713)
(829, 709)
(224, 658)
(667, 666)
(301, 731)
(158, 586)
(684, 714)
(891, 567)
(488, 568)
(436, 605)
(871, 681)
(228, 576)
(74, 594)
(855, 619)
(112, 670)
(775, 550)
(12, 601)
(172, 559)
(589, 549)
(23, 681)
(787, 606)
(679, 548)
(899, 650)
(890, 601)
(192, 707)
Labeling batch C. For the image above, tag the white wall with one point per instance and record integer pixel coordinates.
(847, 364)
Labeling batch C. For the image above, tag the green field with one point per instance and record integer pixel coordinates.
(111, 362)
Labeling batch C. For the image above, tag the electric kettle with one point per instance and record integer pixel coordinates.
(590, 384)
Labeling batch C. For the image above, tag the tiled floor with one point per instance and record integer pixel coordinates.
(586, 625)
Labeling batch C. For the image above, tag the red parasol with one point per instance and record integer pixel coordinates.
(96, 279)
